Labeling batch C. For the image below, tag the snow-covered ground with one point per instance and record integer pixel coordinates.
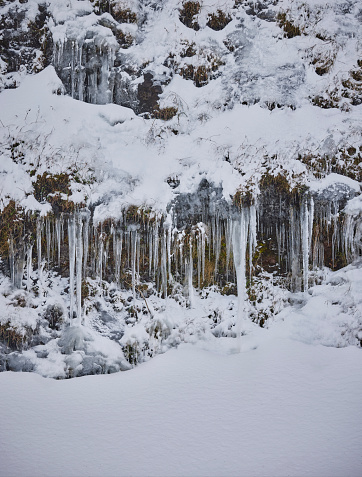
(282, 400)
(281, 408)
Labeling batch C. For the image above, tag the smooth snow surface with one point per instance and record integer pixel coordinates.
(282, 409)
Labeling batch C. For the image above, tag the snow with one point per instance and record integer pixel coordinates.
(283, 408)
(333, 180)
(133, 158)
(31, 204)
(354, 206)
(132, 163)
(279, 400)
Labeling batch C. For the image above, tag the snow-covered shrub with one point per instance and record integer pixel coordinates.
(267, 296)
(11, 336)
(135, 342)
(54, 314)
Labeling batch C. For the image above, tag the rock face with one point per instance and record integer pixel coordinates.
(252, 193)
(26, 44)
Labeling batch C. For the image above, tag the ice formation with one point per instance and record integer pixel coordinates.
(164, 164)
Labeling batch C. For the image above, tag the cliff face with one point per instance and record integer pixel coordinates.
(160, 159)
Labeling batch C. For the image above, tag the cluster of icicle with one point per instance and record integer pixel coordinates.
(90, 77)
(174, 256)
(352, 236)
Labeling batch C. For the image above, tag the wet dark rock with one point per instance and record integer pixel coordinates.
(21, 42)
(148, 94)
(199, 206)
(106, 317)
(340, 193)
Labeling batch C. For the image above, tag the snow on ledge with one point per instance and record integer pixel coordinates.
(330, 181)
(31, 204)
(354, 206)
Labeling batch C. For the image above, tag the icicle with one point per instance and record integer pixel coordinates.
(352, 231)
(164, 264)
(107, 60)
(115, 237)
(252, 236)
(181, 244)
(279, 239)
(72, 70)
(100, 246)
(29, 266)
(71, 241)
(85, 243)
(138, 255)
(284, 239)
(53, 242)
(213, 234)
(311, 221)
(200, 253)
(118, 255)
(294, 248)
(48, 239)
(128, 247)
(304, 224)
(105, 255)
(134, 254)
(155, 249)
(169, 241)
(335, 231)
(190, 277)
(239, 242)
(217, 244)
(203, 234)
(79, 266)
(19, 266)
(150, 249)
(228, 238)
(348, 230)
(12, 260)
(199, 259)
(94, 251)
(80, 77)
(38, 241)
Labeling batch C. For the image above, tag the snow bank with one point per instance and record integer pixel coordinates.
(284, 408)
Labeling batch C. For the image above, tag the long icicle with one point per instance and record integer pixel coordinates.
(71, 240)
(29, 266)
(39, 225)
(239, 242)
(79, 266)
(190, 277)
(305, 227)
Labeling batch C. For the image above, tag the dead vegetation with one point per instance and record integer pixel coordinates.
(347, 161)
(202, 73)
(347, 93)
(12, 337)
(165, 113)
(189, 50)
(116, 10)
(188, 13)
(54, 189)
(11, 226)
(290, 29)
(218, 21)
